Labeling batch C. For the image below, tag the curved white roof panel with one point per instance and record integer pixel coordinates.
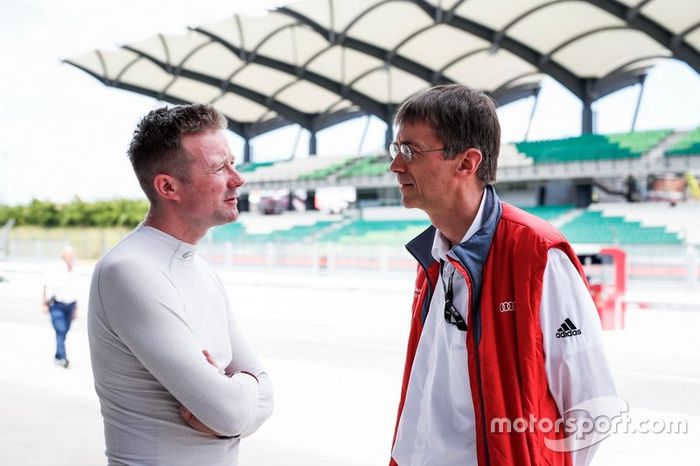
(319, 62)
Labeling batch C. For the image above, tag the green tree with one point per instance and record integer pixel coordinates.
(42, 213)
(115, 213)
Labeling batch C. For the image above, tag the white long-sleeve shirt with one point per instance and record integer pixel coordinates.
(61, 284)
(154, 306)
(437, 425)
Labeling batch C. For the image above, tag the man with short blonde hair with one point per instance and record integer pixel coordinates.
(176, 381)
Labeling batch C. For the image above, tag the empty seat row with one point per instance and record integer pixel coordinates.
(593, 146)
(687, 145)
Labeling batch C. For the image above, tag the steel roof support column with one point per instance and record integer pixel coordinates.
(389, 135)
(246, 150)
(639, 103)
(532, 115)
(587, 113)
(587, 118)
(312, 144)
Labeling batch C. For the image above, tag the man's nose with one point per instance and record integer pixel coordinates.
(236, 179)
(398, 165)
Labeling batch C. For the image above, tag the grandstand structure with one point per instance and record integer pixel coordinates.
(318, 63)
(584, 162)
(586, 156)
(575, 170)
(639, 224)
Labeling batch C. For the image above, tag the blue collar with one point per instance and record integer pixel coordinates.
(474, 250)
(471, 254)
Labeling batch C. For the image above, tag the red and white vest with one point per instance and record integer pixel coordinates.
(503, 262)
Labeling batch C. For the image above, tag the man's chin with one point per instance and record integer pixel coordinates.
(407, 202)
(229, 217)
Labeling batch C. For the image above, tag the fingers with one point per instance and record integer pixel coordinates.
(196, 424)
(185, 414)
(193, 422)
(210, 358)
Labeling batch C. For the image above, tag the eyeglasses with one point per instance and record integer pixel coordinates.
(406, 151)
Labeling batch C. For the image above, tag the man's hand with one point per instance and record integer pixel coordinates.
(189, 418)
(210, 358)
(45, 299)
(193, 422)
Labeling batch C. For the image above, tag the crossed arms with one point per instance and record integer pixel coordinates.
(145, 312)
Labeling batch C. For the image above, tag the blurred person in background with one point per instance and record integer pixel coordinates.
(503, 326)
(177, 383)
(60, 298)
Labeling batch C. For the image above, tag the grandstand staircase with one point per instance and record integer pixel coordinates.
(331, 228)
(566, 218)
(657, 153)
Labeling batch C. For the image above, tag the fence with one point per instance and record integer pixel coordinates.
(678, 264)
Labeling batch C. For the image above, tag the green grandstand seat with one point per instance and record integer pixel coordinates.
(252, 166)
(376, 231)
(592, 147)
(589, 227)
(236, 232)
(322, 173)
(593, 227)
(549, 213)
(367, 166)
(687, 145)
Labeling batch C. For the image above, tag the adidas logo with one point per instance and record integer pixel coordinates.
(567, 329)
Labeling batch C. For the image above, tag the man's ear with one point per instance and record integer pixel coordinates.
(469, 161)
(166, 187)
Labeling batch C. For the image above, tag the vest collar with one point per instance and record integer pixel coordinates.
(471, 252)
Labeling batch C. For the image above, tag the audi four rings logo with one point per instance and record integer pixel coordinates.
(507, 306)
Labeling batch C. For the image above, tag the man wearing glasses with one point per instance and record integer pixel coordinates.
(503, 328)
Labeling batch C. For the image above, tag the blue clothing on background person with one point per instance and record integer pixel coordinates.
(61, 301)
(61, 318)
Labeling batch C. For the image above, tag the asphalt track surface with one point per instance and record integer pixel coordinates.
(334, 346)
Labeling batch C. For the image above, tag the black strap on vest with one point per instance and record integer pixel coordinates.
(452, 315)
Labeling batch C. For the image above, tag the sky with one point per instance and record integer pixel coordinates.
(64, 135)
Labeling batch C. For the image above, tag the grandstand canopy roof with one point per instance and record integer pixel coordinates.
(319, 62)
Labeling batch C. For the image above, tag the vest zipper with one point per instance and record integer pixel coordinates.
(478, 365)
(429, 297)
